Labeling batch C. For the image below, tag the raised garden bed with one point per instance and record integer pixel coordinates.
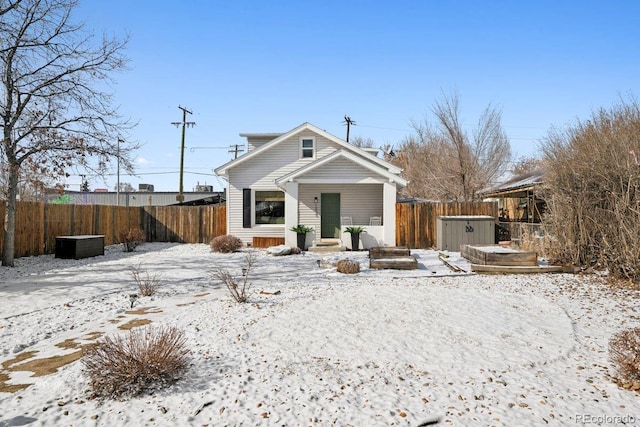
(397, 258)
(498, 255)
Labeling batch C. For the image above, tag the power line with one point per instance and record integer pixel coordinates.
(192, 149)
(158, 173)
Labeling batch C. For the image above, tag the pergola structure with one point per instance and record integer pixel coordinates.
(518, 202)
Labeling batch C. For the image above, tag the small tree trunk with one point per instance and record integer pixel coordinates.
(8, 243)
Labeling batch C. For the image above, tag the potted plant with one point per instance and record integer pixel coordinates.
(355, 231)
(301, 231)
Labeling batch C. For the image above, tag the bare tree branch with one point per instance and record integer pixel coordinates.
(442, 162)
(56, 107)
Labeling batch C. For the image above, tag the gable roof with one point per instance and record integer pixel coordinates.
(346, 155)
(222, 170)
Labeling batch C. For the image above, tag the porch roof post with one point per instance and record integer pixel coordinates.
(290, 212)
(389, 213)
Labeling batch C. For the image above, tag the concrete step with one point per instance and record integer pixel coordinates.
(327, 248)
(328, 242)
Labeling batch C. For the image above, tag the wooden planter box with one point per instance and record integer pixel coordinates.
(76, 247)
(392, 257)
(498, 255)
(388, 252)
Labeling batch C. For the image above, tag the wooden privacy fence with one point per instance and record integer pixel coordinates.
(38, 224)
(416, 222)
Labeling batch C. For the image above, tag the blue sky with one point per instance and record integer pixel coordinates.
(258, 66)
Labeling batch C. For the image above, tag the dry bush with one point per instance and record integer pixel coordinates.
(624, 354)
(537, 241)
(131, 238)
(147, 283)
(128, 365)
(239, 292)
(592, 191)
(225, 244)
(347, 266)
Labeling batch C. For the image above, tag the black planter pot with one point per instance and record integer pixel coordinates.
(302, 241)
(355, 241)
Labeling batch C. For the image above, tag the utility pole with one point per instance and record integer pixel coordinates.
(185, 124)
(348, 122)
(235, 148)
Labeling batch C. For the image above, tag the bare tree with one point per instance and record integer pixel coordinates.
(55, 105)
(442, 161)
(526, 164)
(362, 142)
(32, 185)
(125, 187)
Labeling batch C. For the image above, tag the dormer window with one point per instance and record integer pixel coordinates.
(307, 148)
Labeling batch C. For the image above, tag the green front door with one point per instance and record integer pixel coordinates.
(330, 215)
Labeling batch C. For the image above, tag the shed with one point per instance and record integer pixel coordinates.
(454, 231)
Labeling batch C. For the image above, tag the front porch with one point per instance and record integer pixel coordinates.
(330, 208)
(370, 238)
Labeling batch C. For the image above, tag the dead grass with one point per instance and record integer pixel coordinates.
(134, 323)
(184, 304)
(48, 365)
(10, 388)
(144, 310)
(39, 367)
(73, 342)
(19, 358)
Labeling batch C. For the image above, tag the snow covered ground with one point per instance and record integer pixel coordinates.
(382, 347)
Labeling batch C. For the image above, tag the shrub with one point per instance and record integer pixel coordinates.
(624, 354)
(347, 266)
(240, 293)
(131, 238)
(592, 191)
(225, 244)
(128, 365)
(147, 285)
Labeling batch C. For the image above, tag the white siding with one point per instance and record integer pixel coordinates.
(253, 143)
(341, 169)
(359, 201)
(259, 173)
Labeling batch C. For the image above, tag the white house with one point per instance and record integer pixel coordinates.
(308, 176)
